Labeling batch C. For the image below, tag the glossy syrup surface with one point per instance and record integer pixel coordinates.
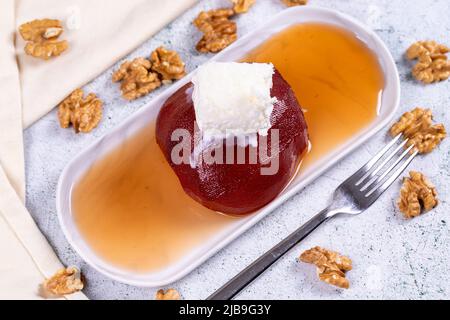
(336, 78)
(132, 211)
(130, 207)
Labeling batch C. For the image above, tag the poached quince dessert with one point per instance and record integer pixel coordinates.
(234, 135)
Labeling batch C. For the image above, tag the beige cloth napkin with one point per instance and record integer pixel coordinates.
(99, 33)
(26, 258)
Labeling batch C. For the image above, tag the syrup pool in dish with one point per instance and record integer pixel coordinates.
(129, 206)
(132, 211)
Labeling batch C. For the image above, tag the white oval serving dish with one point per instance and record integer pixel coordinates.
(75, 169)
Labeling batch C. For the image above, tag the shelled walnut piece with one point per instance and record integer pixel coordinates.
(417, 195)
(331, 266)
(169, 294)
(242, 6)
(433, 64)
(292, 3)
(141, 76)
(137, 78)
(168, 64)
(83, 113)
(218, 30)
(417, 125)
(41, 37)
(65, 281)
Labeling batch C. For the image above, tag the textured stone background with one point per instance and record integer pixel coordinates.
(393, 258)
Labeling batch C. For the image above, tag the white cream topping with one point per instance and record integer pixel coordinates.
(233, 99)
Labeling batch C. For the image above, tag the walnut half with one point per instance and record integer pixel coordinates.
(83, 113)
(218, 30)
(242, 6)
(65, 281)
(417, 125)
(169, 294)
(136, 78)
(168, 64)
(417, 195)
(331, 266)
(41, 37)
(292, 3)
(432, 65)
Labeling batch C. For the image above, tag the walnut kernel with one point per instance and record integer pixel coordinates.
(41, 37)
(169, 294)
(65, 281)
(432, 65)
(417, 125)
(292, 3)
(331, 266)
(83, 113)
(417, 195)
(136, 78)
(218, 31)
(168, 64)
(242, 6)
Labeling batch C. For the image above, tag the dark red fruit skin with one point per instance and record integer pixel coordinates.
(236, 189)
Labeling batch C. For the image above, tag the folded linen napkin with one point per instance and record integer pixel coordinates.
(26, 259)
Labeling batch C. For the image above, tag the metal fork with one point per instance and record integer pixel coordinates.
(353, 196)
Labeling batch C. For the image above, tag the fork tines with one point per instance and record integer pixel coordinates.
(382, 170)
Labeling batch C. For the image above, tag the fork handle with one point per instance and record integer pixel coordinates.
(246, 276)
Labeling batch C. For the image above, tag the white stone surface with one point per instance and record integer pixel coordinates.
(393, 258)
